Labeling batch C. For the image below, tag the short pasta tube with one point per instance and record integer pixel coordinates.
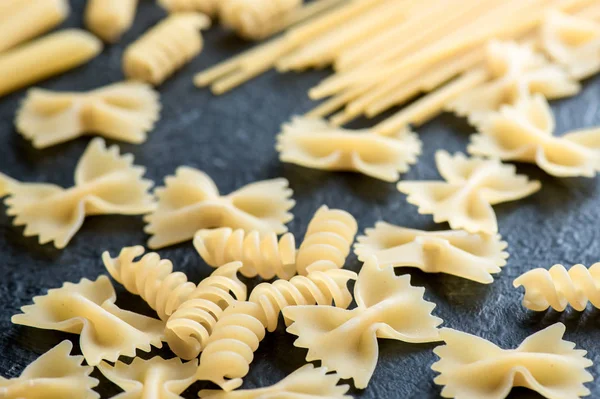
(208, 7)
(165, 48)
(109, 19)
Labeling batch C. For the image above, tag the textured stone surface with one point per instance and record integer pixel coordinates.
(232, 138)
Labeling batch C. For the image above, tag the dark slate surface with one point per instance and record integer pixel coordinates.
(232, 138)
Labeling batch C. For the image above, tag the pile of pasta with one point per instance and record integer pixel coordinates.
(497, 63)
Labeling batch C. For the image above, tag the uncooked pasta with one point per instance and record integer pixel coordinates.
(109, 19)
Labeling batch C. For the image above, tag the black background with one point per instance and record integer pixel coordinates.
(232, 138)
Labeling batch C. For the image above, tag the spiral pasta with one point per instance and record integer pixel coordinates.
(190, 310)
(208, 7)
(327, 241)
(165, 48)
(558, 287)
(255, 19)
(266, 257)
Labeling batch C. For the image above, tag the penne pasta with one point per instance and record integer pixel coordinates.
(109, 19)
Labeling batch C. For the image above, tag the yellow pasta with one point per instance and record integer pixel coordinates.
(473, 368)
(25, 19)
(307, 382)
(45, 57)
(189, 310)
(156, 378)
(55, 374)
(88, 308)
(345, 341)
(472, 256)
(208, 7)
(558, 287)
(123, 111)
(105, 183)
(165, 48)
(190, 201)
(110, 19)
(524, 132)
(472, 186)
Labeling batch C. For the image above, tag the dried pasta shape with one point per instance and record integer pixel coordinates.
(165, 48)
(317, 288)
(88, 308)
(345, 341)
(231, 346)
(266, 257)
(255, 19)
(190, 310)
(208, 7)
(327, 241)
(105, 183)
(573, 42)
(472, 256)
(190, 201)
(55, 374)
(524, 132)
(307, 382)
(25, 20)
(123, 111)
(472, 186)
(313, 143)
(45, 57)
(557, 287)
(519, 71)
(472, 368)
(156, 378)
(110, 19)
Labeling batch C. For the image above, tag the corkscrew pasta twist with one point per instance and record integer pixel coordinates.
(327, 241)
(190, 310)
(266, 257)
(208, 7)
(255, 19)
(165, 48)
(557, 287)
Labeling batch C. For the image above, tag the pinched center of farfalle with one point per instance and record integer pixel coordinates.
(471, 367)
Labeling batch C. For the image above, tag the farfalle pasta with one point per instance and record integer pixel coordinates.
(345, 341)
(307, 382)
(45, 57)
(472, 186)
(55, 374)
(558, 288)
(110, 19)
(122, 111)
(326, 245)
(88, 308)
(573, 42)
(256, 19)
(524, 132)
(315, 144)
(230, 349)
(190, 201)
(208, 7)
(189, 310)
(23, 20)
(165, 48)
(105, 183)
(519, 71)
(155, 378)
(472, 256)
(472, 368)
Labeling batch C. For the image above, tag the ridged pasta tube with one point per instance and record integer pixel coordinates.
(25, 20)
(184, 305)
(255, 19)
(46, 57)
(266, 257)
(109, 19)
(557, 287)
(208, 7)
(165, 48)
(327, 241)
